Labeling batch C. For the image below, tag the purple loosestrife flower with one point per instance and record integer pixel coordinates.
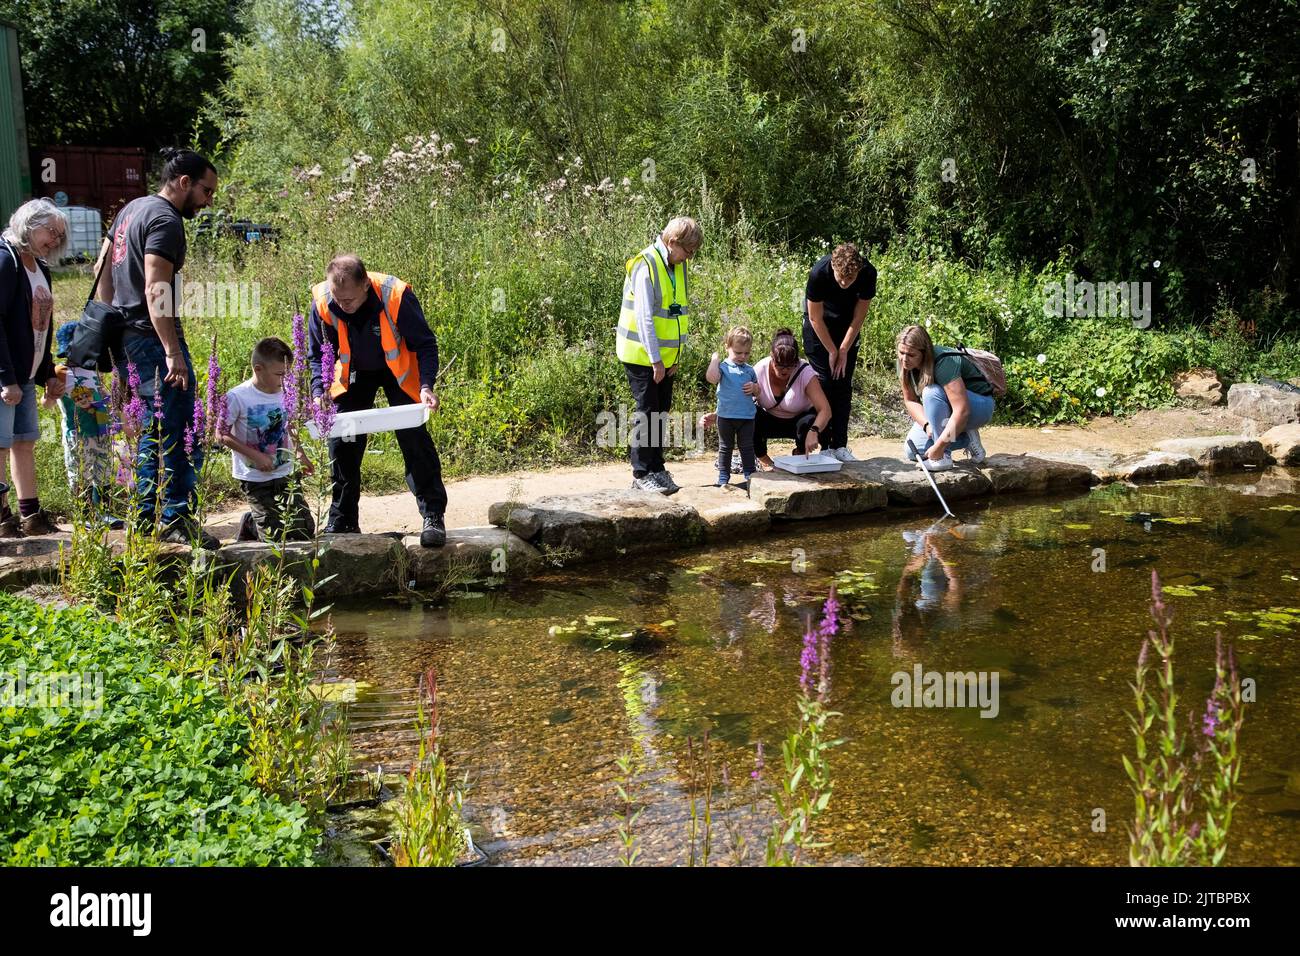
(1211, 721)
(323, 414)
(807, 660)
(830, 626)
(134, 411)
(205, 415)
(757, 772)
(296, 383)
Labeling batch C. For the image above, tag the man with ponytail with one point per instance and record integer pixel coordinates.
(147, 247)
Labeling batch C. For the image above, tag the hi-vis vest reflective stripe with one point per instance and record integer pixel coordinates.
(401, 360)
(668, 290)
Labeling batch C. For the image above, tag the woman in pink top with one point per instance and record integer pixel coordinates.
(791, 403)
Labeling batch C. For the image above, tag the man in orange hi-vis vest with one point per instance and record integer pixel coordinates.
(381, 340)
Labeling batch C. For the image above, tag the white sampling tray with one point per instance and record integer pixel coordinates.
(375, 420)
(807, 464)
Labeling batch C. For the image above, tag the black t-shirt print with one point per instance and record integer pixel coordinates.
(837, 303)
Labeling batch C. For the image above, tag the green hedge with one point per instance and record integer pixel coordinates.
(154, 777)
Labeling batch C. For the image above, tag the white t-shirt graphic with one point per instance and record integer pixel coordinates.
(257, 418)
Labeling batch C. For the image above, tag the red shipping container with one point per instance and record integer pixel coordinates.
(103, 178)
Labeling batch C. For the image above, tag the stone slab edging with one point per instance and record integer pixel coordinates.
(528, 538)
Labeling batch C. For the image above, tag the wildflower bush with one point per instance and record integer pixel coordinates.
(427, 825)
(156, 777)
(235, 667)
(1184, 778)
(805, 788)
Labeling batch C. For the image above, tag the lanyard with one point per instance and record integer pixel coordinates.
(672, 279)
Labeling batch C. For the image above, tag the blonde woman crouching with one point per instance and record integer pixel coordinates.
(946, 396)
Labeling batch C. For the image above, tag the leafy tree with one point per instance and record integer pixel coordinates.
(121, 73)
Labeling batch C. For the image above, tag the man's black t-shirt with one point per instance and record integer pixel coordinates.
(837, 303)
(149, 225)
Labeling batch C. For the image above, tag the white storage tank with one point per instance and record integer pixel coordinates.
(85, 233)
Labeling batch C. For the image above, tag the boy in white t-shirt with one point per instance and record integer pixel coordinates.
(256, 431)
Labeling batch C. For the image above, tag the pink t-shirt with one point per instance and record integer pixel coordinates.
(795, 401)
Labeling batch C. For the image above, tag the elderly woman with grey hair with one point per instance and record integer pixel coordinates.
(37, 230)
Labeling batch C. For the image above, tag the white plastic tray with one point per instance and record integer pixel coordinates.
(807, 464)
(375, 420)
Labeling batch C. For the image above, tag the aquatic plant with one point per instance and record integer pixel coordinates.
(628, 818)
(427, 825)
(693, 833)
(1171, 772)
(736, 841)
(806, 786)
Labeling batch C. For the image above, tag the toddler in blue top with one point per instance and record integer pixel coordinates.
(737, 384)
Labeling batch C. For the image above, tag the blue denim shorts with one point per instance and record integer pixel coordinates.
(20, 422)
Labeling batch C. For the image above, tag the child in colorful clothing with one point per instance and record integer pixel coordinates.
(737, 383)
(87, 427)
(256, 431)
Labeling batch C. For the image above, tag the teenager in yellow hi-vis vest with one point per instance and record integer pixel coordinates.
(381, 340)
(652, 328)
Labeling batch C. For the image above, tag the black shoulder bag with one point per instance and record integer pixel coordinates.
(98, 337)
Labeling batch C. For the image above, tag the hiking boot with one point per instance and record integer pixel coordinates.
(103, 523)
(9, 527)
(975, 448)
(665, 481)
(247, 528)
(343, 527)
(648, 483)
(37, 524)
(177, 533)
(434, 534)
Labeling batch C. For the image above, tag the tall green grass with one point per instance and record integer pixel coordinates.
(522, 286)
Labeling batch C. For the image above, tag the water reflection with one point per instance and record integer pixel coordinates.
(538, 720)
(928, 588)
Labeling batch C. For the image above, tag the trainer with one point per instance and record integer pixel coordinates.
(381, 340)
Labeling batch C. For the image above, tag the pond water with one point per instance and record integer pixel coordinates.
(536, 716)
